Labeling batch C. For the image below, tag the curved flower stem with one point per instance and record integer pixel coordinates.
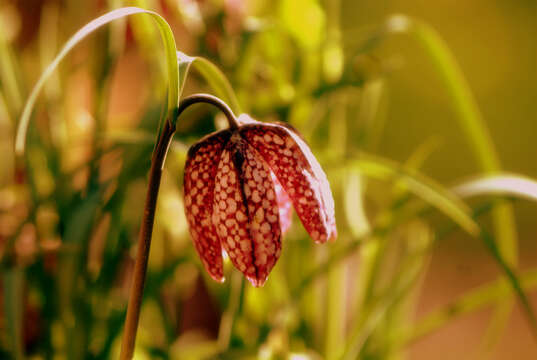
(213, 100)
(146, 230)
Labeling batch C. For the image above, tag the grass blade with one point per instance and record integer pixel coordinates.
(9, 76)
(501, 184)
(471, 122)
(212, 74)
(425, 188)
(171, 61)
(450, 205)
(456, 85)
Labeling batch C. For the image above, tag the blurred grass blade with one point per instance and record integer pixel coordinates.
(423, 152)
(502, 184)
(323, 267)
(467, 303)
(469, 116)
(140, 137)
(428, 190)
(354, 204)
(212, 74)
(403, 282)
(9, 75)
(13, 309)
(450, 205)
(454, 82)
(513, 279)
(71, 272)
(171, 61)
(471, 122)
(227, 321)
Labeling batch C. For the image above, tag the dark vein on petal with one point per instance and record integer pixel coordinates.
(238, 159)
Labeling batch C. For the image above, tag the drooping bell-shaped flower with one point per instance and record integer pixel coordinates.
(239, 184)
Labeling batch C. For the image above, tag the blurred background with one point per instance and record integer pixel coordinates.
(368, 85)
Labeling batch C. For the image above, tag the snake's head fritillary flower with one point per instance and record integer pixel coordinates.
(239, 185)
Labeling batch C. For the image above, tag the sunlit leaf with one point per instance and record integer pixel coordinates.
(501, 184)
(171, 60)
(449, 204)
(427, 189)
(212, 74)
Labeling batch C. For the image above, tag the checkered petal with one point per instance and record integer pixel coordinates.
(299, 173)
(199, 180)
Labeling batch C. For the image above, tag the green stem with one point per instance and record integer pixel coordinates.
(146, 230)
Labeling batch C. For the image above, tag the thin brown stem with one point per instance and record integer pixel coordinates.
(213, 100)
(146, 230)
(144, 242)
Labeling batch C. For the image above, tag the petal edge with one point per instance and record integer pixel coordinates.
(300, 174)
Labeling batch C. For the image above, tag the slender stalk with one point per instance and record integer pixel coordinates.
(144, 242)
(213, 100)
(146, 230)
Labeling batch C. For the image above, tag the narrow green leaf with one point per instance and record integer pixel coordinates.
(425, 188)
(364, 326)
(212, 74)
(171, 61)
(423, 152)
(454, 82)
(428, 190)
(470, 120)
(503, 184)
(500, 184)
(446, 202)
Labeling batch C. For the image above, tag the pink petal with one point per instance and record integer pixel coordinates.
(200, 172)
(300, 175)
(246, 211)
(284, 204)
